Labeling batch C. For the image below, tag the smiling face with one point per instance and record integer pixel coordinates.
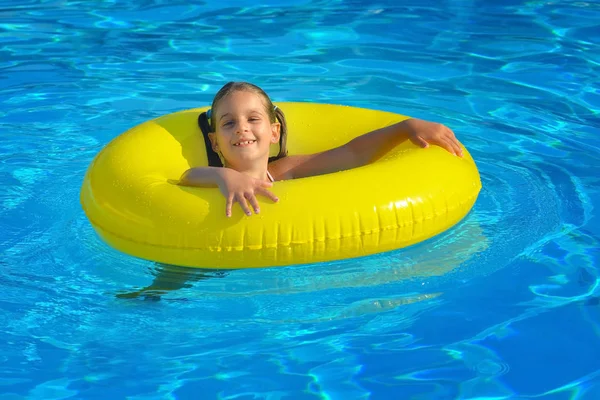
(243, 130)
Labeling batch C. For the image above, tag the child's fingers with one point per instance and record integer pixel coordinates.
(242, 200)
(253, 202)
(452, 147)
(447, 144)
(421, 142)
(228, 205)
(265, 184)
(454, 141)
(268, 194)
(456, 146)
(459, 150)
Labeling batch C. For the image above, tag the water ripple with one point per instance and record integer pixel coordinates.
(463, 315)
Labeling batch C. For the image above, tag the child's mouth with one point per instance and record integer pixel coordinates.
(244, 143)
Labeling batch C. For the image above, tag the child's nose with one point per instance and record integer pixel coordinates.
(243, 126)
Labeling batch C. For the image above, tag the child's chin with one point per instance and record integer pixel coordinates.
(245, 159)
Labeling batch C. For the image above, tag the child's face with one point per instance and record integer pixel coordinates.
(243, 131)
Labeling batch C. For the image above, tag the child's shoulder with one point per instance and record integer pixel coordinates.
(283, 168)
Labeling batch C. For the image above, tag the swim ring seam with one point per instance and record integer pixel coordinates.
(277, 244)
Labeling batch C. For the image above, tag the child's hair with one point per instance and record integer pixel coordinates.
(205, 122)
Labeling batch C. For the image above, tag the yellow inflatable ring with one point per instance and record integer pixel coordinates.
(132, 200)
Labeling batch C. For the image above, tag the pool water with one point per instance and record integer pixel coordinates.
(504, 305)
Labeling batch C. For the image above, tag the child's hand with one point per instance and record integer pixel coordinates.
(242, 188)
(422, 133)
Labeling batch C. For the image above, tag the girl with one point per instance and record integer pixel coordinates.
(243, 123)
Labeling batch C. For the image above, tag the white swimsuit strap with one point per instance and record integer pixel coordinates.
(270, 177)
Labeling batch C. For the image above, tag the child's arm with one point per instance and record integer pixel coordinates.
(367, 148)
(234, 185)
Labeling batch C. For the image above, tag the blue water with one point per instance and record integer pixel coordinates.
(504, 305)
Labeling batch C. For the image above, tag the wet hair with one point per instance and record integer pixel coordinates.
(206, 124)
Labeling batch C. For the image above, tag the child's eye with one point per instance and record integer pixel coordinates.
(253, 119)
(228, 123)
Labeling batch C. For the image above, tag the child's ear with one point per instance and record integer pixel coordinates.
(213, 141)
(275, 132)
